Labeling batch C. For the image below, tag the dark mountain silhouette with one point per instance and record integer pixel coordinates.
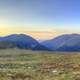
(69, 42)
(21, 41)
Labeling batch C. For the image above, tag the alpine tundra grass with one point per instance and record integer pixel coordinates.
(16, 64)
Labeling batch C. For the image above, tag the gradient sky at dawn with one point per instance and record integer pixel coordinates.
(42, 19)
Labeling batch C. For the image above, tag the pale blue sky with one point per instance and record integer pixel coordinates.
(40, 15)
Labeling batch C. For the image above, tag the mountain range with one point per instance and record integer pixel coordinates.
(67, 42)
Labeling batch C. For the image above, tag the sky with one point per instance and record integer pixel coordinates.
(41, 19)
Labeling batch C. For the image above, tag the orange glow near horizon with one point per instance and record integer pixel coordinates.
(39, 35)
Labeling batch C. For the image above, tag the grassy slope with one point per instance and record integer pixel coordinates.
(37, 65)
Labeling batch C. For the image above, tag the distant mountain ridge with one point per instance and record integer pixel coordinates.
(67, 42)
(20, 41)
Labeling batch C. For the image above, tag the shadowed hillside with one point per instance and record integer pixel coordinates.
(20, 41)
(69, 42)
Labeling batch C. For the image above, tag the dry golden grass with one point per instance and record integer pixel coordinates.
(16, 64)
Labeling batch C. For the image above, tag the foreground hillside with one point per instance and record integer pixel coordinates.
(18, 64)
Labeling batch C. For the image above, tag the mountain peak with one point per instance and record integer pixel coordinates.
(21, 41)
(64, 42)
